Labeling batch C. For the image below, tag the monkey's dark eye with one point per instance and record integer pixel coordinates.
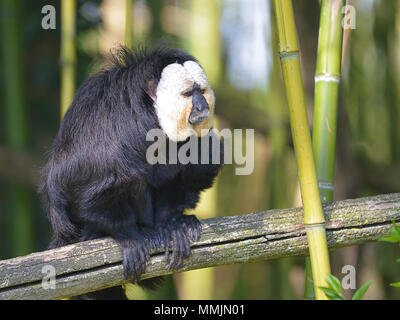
(202, 91)
(187, 93)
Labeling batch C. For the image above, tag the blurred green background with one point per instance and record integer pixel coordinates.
(236, 43)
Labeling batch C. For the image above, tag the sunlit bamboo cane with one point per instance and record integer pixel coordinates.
(327, 79)
(128, 41)
(313, 215)
(68, 53)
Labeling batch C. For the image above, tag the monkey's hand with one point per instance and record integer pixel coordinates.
(135, 255)
(176, 234)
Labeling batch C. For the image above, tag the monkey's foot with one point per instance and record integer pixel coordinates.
(135, 255)
(179, 231)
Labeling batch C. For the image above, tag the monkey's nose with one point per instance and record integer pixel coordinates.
(199, 102)
(197, 117)
(200, 110)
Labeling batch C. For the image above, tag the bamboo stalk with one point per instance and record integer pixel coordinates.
(205, 18)
(128, 41)
(68, 53)
(313, 215)
(156, 27)
(16, 127)
(327, 80)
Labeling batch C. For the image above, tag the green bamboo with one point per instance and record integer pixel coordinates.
(313, 214)
(309, 293)
(128, 24)
(204, 36)
(16, 129)
(68, 53)
(156, 27)
(327, 79)
(206, 47)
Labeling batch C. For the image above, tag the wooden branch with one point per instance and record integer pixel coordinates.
(96, 264)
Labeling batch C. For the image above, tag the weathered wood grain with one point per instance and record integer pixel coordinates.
(96, 264)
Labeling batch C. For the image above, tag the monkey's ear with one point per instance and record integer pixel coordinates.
(151, 89)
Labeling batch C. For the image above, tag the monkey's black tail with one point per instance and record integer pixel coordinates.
(113, 293)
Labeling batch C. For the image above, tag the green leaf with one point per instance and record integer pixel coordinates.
(331, 294)
(396, 227)
(334, 284)
(395, 284)
(394, 234)
(360, 292)
(388, 239)
(398, 260)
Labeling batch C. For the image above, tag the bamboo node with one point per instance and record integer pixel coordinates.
(288, 55)
(326, 185)
(327, 77)
(314, 225)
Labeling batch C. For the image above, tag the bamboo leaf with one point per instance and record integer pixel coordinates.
(389, 239)
(331, 293)
(395, 284)
(394, 236)
(360, 292)
(396, 228)
(334, 283)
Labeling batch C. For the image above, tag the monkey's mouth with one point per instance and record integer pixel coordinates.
(195, 117)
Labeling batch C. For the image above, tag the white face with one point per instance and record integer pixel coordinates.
(173, 108)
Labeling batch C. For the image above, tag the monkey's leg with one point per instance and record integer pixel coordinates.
(134, 246)
(142, 203)
(135, 255)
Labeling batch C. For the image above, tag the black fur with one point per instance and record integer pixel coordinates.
(97, 181)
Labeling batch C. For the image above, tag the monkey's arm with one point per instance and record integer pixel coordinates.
(175, 229)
